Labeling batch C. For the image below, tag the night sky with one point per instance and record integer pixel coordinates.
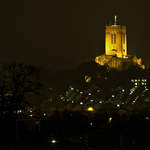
(64, 33)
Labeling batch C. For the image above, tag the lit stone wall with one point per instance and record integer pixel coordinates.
(118, 63)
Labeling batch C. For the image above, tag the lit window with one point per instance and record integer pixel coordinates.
(114, 38)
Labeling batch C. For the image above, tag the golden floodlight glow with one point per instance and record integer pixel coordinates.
(110, 119)
(90, 109)
(87, 79)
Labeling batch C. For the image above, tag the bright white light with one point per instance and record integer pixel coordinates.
(98, 90)
(123, 90)
(53, 141)
(113, 96)
(91, 100)
(62, 97)
(72, 88)
(81, 92)
(90, 94)
(81, 103)
(44, 114)
(118, 105)
(100, 102)
(72, 102)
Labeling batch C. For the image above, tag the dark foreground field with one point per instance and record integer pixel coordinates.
(75, 132)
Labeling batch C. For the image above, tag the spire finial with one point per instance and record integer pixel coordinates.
(115, 20)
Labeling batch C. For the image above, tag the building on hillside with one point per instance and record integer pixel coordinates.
(116, 56)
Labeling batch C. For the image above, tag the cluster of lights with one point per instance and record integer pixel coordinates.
(72, 99)
(87, 96)
(139, 82)
(19, 111)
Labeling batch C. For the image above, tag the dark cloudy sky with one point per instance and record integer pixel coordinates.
(65, 33)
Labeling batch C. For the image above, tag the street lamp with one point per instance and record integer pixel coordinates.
(90, 109)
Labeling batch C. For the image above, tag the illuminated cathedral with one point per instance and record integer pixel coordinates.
(116, 56)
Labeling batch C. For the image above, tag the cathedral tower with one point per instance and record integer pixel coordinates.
(116, 40)
(116, 49)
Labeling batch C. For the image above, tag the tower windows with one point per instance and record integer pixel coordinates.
(113, 38)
